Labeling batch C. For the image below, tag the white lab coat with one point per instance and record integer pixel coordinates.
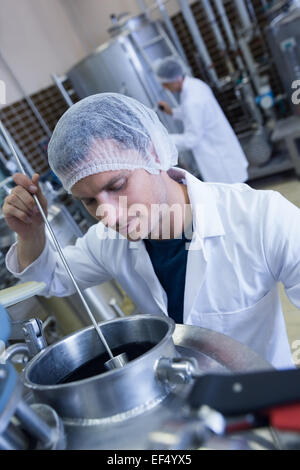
(244, 243)
(208, 134)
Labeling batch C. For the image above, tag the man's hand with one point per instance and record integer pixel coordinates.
(23, 217)
(165, 107)
(20, 210)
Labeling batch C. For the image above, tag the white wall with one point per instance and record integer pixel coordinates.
(40, 37)
(36, 38)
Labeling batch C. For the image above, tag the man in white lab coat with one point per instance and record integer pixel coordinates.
(218, 267)
(207, 132)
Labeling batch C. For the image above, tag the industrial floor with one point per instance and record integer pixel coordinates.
(289, 186)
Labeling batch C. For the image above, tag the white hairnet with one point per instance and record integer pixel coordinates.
(106, 132)
(169, 70)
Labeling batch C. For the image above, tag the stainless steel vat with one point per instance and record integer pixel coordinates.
(106, 394)
(119, 409)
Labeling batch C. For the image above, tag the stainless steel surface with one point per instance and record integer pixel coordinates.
(16, 349)
(192, 433)
(216, 352)
(177, 370)
(58, 248)
(20, 422)
(122, 66)
(11, 439)
(34, 338)
(123, 407)
(171, 29)
(243, 14)
(117, 362)
(33, 424)
(125, 64)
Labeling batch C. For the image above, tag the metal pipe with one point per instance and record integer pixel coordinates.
(217, 32)
(243, 43)
(243, 14)
(14, 349)
(226, 24)
(33, 424)
(229, 33)
(5, 443)
(171, 29)
(214, 25)
(198, 40)
(62, 257)
(61, 88)
(15, 438)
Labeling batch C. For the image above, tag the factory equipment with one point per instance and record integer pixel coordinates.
(184, 387)
(222, 54)
(126, 64)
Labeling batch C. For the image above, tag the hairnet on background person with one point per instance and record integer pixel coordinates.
(108, 131)
(169, 70)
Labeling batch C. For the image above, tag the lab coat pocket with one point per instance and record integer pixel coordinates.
(259, 326)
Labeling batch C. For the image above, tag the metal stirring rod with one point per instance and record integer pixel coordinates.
(57, 246)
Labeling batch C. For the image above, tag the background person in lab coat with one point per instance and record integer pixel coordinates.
(207, 132)
(244, 242)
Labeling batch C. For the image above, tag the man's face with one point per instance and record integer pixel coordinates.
(122, 200)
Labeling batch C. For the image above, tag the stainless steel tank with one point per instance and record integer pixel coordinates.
(124, 65)
(119, 409)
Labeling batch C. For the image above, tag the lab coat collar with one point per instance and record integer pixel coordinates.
(206, 218)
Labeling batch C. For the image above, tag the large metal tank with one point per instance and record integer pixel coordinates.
(283, 35)
(122, 408)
